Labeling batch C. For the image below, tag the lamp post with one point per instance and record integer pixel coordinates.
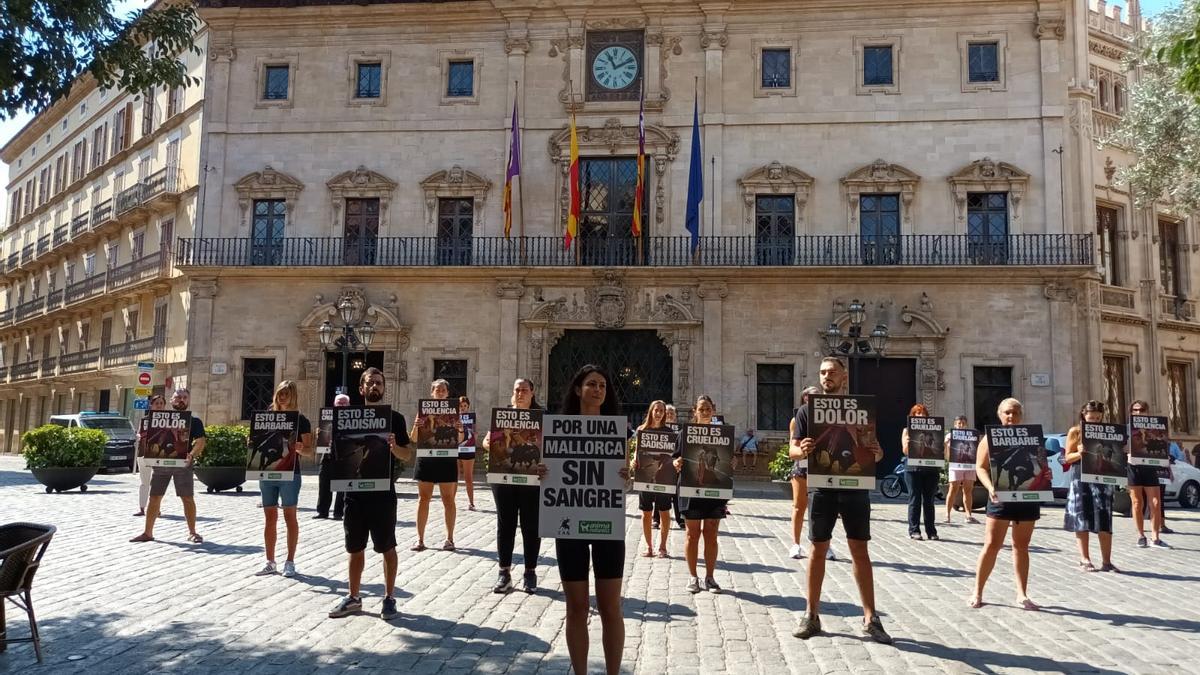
(353, 336)
(853, 343)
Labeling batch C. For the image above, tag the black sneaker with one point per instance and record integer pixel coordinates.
(349, 605)
(1166, 530)
(809, 626)
(503, 583)
(875, 631)
(321, 516)
(529, 582)
(389, 611)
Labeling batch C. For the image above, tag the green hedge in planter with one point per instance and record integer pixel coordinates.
(225, 445)
(51, 446)
(781, 466)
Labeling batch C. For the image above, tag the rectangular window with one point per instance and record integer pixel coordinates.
(1106, 230)
(267, 230)
(1115, 369)
(879, 227)
(131, 331)
(455, 230)
(877, 65)
(776, 68)
(987, 227)
(369, 80)
(148, 112)
(99, 136)
(990, 386)
(70, 273)
(775, 395)
(138, 247)
(89, 264)
(112, 252)
(453, 371)
(983, 62)
(1179, 397)
(118, 135)
(44, 186)
(275, 83)
(85, 335)
(258, 385)
(14, 206)
(174, 100)
(1168, 258)
(774, 229)
(460, 80)
(160, 322)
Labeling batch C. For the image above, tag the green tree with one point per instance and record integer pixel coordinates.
(46, 44)
(1161, 126)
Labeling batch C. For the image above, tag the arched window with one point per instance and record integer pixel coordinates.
(1118, 99)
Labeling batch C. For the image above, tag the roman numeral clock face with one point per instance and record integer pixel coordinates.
(615, 67)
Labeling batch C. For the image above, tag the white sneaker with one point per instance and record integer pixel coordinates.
(694, 585)
(289, 568)
(829, 554)
(797, 552)
(267, 569)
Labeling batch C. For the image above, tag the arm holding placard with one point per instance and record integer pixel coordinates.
(904, 441)
(1074, 451)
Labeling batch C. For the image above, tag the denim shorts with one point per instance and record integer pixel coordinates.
(276, 491)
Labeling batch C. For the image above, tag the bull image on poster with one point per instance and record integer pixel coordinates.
(439, 428)
(167, 439)
(325, 431)
(362, 456)
(1020, 472)
(707, 451)
(1149, 444)
(655, 468)
(1104, 458)
(272, 455)
(843, 428)
(964, 445)
(926, 441)
(514, 446)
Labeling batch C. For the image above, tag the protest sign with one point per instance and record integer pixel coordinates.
(926, 441)
(843, 428)
(583, 494)
(514, 446)
(362, 457)
(168, 438)
(466, 447)
(1149, 444)
(707, 451)
(1104, 458)
(439, 428)
(964, 444)
(325, 431)
(655, 469)
(1019, 470)
(272, 434)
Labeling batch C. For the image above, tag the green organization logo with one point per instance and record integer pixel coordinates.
(520, 479)
(659, 488)
(366, 485)
(595, 527)
(274, 476)
(1030, 497)
(848, 482)
(712, 493)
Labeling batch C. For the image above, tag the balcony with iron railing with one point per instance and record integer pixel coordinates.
(14, 261)
(79, 362)
(162, 186)
(43, 244)
(48, 366)
(62, 233)
(128, 199)
(29, 308)
(136, 271)
(717, 251)
(27, 254)
(3, 374)
(79, 225)
(101, 214)
(25, 371)
(130, 352)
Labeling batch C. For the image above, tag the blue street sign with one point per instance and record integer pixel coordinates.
(141, 404)
(145, 365)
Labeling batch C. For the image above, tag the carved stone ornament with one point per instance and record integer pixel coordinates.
(455, 182)
(1110, 170)
(714, 39)
(987, 175)
(267, 184)
(881, 177)
(516, 43)
(1106, 50)
(607, 300)
(1050, 26)
(777, 179)
(623, 23)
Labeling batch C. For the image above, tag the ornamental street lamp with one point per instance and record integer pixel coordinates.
(853, 343)
(354, 335)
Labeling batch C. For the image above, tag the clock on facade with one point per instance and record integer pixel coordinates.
(615, 67)
(614, 59)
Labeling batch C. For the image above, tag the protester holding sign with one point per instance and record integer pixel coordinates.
(373, 513)
(1022, 517)
(182, 476)
(961, 446)
(702, 515)
(145, 471)
(466, 450)
(826, 505)
(922, 435)
(799, 478)
(1149, 449)
(325, 494)
(434, 470)
(654, 471)
(672, 422)
(1089, 505)
(285, 493)
(517, 503)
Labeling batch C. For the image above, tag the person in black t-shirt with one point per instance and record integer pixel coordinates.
(825, 506)
(185, 485)
(373, 514)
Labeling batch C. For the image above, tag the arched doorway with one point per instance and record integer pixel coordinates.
(637, 360)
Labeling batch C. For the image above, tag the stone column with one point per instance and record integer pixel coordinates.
(509, 291)
(1050, 31)
(221, 54)
(713, 39)
(713, 295)
(203, 291)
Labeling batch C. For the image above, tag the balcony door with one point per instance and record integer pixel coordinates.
(607, 190)
(456, 224)
(266, 232)
(879, 223)
(774, 229)
(361, 237)
(987, 228)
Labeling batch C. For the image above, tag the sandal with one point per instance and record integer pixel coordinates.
(418, 547)
(142, 537)
(448, 545)
(662, 553)
(1029, 605)
(195, 538)
(1086, 566)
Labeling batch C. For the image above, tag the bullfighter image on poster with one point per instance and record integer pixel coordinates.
(1104, 458)
(325, 431)
(655, 471)
(168, 438)
(514, 446)
(964, 444)
(439, 428)
(467, 445)
(926, 441)
(583, 494)
(362, 456)
(1149, 444)
(707, 451)
(844, 430)
(272, 435)
(1020, 472)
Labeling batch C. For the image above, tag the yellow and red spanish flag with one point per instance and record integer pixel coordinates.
(514, 170)
(573, 203)
(638, 205)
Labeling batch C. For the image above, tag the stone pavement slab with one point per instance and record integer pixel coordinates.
(109, 606)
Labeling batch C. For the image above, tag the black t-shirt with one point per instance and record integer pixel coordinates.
(802, 433)
(197, 429)
(400, 431)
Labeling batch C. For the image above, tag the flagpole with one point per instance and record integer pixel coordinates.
(695, 131)
(521, 181)
(639, 199)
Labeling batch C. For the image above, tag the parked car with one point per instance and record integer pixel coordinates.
(1184, 484)
(119, 450)
(1060, 481)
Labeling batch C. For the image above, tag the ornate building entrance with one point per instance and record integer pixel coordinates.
(637, 360)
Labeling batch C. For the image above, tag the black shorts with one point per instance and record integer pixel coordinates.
(466, 455)
(1015, 512)
(1143, 476)
(608, 557)
(652, 501)
(437, 470)
(703, 508)
(854, 507)
(371, 514)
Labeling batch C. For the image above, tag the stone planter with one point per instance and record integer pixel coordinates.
(219, 478)
(59, 479)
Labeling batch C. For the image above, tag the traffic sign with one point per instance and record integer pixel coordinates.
(141, 392)
(141, 404)
(145, 365)
(143, 378)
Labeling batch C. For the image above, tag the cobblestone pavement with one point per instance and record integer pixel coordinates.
(109, 606)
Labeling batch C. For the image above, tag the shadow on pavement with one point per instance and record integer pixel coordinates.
(984, 661)
(1154, 622)
(641, 610)
(924, 570)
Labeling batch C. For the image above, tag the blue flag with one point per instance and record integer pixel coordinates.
(695, 193)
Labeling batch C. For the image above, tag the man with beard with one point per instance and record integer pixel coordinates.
(181, 475)
(854, 507)
(374, 513)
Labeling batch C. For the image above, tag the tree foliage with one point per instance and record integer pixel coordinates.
(1161, 125)
(46, 44)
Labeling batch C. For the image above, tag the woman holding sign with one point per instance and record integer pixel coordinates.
(1143, 487)
(440, 471)
(650, 503)
(703, 515)
(466, 453)
(922, 485)
(286, 494)
(1089, 505)
(517, 504)
(962, 481)
(1000, 515)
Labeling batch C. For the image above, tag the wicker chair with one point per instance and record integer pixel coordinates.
(21, 549)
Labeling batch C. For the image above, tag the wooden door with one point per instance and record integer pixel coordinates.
(361, 235)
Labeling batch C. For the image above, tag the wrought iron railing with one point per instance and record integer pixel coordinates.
(79, 361)
(132, 351)
(29, 308)
(6, 316)
(79, 225)
(25, 371)
(14, 261)
(163, 181)
(130, 273)
(84, 288)
(101, 213)
(129, 198)
(43, 244)
(48, 365)
(26, 254)
(805, 251)
(61, 234)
